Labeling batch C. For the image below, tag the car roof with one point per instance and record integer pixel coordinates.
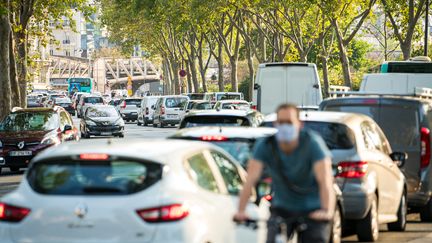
(387, 97)
(220, 113)
(158, 150)
(325, 116)
(37, 109)
(229, 132)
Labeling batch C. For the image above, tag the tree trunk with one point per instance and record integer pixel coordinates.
(324, 63)
(202, 71)
(406, 49)
(194, 74)
(251, 71)
(234, 67)
(343, 56)
(176, 77)
(21, 44)
(15, 89)
(189, 77)
(5, 88)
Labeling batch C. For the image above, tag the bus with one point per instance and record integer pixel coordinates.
(79, 85)
(414, 65)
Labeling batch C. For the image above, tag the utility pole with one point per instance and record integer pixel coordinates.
(426, 29)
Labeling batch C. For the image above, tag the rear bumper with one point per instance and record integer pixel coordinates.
(166, 120)
(418, 199)
(19, 161)
(130, 116)
(356, 201)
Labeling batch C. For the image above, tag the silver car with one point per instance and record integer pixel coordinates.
(366, 170)
(169, 110)
(146, 110)
(87, 101)
(128, 108)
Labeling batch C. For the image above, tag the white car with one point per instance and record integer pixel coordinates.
(232, 105)
(135, 191)
(87, 101)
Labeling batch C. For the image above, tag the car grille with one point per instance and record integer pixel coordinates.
(26, 145)
(104, 128)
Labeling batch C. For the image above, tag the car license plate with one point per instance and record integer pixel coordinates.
(20, 153)
(106, 133)
(134, 113)
(172, 116)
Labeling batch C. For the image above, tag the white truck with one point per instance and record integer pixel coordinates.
(278, 83)
(395, 83)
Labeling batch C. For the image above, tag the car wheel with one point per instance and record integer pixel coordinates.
(121, 135)
(426, 212)
(400, 224)
(368, 228)
(14, 169)
(336, 236)
(138, 122)
(161, 125)
(154, 124)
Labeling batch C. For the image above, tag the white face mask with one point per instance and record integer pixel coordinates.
(286, 133)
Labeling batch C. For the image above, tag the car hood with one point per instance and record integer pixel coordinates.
(22, 135)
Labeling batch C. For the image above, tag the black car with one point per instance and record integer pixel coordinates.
(66, 103)
(407, 123)
(33, 102)
(236, 118)
(101, 120)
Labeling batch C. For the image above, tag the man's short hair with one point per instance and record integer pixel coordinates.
(288, 106)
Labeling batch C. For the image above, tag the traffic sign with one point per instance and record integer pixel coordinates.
(182, 73)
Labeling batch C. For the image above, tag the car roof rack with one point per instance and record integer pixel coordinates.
(343, 91)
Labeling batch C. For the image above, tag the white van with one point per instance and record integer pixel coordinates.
(395, 83)
(278, 83)
(146, 110)
(169, 110)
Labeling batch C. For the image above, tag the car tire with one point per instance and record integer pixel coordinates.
(154, 125)
(400, 224)
(426, 212)
(161, 125)
(367, 229)
(121, 135)
(336, 235)
(138, 122)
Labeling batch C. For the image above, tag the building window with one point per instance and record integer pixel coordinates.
(67, 53)
(52, 52)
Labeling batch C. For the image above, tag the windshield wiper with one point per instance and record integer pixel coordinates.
(101, 189)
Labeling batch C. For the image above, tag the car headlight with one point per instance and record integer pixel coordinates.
(119, 122)
(90, 123)
(49, 140)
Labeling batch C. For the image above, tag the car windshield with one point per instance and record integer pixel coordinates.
(336, 136)
(235, 106)
(63, 101)
(175, 102)
(197, 121)
(30, 121)
(240, 150)
(32, 99)
(93, 100)
(399, 123)
(190, 105)
(102, 112)
(202, 106)
(196, 96)
(118, 177)
(228, 97)
(133, 102)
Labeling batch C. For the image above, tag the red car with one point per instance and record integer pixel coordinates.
(26, 132)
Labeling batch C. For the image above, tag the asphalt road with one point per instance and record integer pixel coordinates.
(416, 232)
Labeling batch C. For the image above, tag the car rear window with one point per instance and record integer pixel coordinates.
(399, 123)
(197, 121)
(196, 96)
(336, 136)
(133, 102)
(93, 100)
(118, 177)
(175, 102)
(203, 106)
(229, 97)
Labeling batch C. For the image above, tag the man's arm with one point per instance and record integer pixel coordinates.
(254, 171)
(323, 175)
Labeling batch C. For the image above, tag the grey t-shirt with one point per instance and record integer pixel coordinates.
(298, 168)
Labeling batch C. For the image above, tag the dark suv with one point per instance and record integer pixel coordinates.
(26, 132)
(407, 123)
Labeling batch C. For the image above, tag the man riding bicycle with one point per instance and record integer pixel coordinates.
(300, 166)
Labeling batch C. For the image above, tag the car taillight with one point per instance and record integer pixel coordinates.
(355, 169)
(11, 213)
(268, 197)
(162, 110)
(123, 105)
(425, 147)
(254, 107)
(94, 156)
(167, 213)
(147, 111)
(214, 138)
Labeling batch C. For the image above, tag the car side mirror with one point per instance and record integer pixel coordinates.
(399, 158)
(264, 189)
(67, 127)
(257, 86)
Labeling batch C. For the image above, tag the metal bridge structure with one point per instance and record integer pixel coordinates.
(107, 73)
